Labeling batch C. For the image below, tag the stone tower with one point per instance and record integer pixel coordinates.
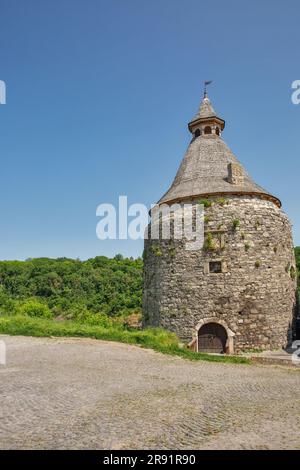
(238, 292)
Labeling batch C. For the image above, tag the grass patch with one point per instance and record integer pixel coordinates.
(222, 201)
(205, 202)
(254, 350)
(153, 338)
(208, 244)
(235, 224)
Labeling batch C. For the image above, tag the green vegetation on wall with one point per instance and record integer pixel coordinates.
(297, 254)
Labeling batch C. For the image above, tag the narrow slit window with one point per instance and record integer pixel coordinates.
(215, 266)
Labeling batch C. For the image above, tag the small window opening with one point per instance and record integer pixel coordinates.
(217, 131)
(197, 133)
(207, 130)
(215, 266)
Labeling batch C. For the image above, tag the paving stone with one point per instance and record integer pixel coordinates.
(82, 393)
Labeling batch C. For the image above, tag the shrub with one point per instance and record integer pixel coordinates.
(96, 319)
(33, 308)
(8, 306)
(132, 321)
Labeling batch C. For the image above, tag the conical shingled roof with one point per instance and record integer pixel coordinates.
(204, 169)
(205, 110)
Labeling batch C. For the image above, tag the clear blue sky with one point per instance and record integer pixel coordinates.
(99, 94)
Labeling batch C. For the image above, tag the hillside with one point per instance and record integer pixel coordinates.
(72, 288)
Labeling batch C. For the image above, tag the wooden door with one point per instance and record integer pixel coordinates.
(212, 338)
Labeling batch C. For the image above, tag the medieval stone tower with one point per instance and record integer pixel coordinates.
(238, 291)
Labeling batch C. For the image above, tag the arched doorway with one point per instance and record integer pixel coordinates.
(212, 338)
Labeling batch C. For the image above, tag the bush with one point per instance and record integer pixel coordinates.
(8, 306)
(33, 308)
(94, 319)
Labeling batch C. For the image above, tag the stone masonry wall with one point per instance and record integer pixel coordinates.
(255, 293)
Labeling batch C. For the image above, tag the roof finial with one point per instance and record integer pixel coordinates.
(205, 85)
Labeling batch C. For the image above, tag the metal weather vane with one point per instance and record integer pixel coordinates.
(208, 82)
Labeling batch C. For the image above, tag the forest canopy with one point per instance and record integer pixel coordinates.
(71, 288)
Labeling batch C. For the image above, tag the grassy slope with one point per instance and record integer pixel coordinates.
(157, 339)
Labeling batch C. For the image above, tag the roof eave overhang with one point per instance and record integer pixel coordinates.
(261, 195)
(207, 120)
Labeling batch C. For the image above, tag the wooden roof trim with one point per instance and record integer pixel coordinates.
(208, 120)
(264, 196)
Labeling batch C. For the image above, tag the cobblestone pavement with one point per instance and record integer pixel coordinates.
(81, 393)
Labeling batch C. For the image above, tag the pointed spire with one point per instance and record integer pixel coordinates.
(206, 115)
(206, 108)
